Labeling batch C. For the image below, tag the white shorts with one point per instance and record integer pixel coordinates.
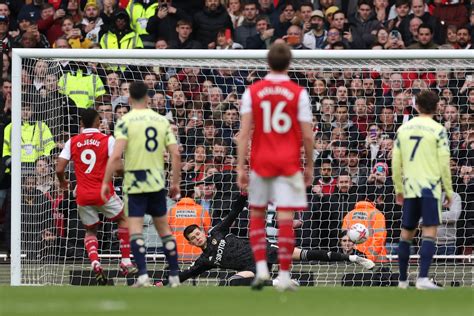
(89, 214)
(287, 193)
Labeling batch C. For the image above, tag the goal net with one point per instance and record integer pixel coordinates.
(359, 99)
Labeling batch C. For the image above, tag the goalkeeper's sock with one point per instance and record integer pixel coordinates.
(138, 249)
(321, 255)
(92, 244)
(171, 253)
(257, 239)
(403, 257)
(286, 243)
(124, 238)
(427, 250)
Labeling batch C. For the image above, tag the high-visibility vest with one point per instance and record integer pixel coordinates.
(365, 213)
(187, 212)
(128, 41)
(82, 89)
(139, 16)
(36, 141)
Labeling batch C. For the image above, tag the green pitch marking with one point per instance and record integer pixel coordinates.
(218, 301)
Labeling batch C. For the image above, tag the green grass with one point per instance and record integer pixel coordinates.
(218, 301)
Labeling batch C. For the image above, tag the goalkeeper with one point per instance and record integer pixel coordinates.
(221, 249)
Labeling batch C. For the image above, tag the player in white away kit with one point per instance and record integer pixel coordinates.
(279, 111)
(90, 151)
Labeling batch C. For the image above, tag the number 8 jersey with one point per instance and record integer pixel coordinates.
(148, 135)
(89, 151)
(277, 105)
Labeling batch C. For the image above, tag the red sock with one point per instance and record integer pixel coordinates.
(257, 238)
(124, 238)
(286, 243)
(92, 245)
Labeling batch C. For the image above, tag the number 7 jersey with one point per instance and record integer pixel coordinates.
(148, 135)
(89, 151)
(277, 105)
(420, 160)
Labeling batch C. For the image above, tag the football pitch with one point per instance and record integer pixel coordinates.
(217, 301)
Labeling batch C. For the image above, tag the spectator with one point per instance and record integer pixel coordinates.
(293, 37)
(266, 7)
(164, 24)
(161, 43)
(221, 159)
(44, 181)
(305, 11)
(248, 26)
(446, 234)
(264, 36)
(361, 118)
(120, 35)
(418, 11)
(333, 37)
(325, 183)
(112, 82)
(194, 169)
(36, 231)
(387, 122)
(364, 24)
(184, 29)
(411, 34)
(357, 172)
(338, 204)
(451, 36)
(208, 21)
(342, 121)
(234, 9)
(402, 8)
(224, 41)
(92, 22)
(339, 21)
(381, 37)
(282, 20)
(374, 248)
(463, 38)
(451, 118)
(50, 22)
(315, 38)
(119, 111)
(327, 119)
(425, 38)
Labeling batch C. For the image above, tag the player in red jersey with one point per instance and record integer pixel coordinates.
(90, 151)
(279, 111)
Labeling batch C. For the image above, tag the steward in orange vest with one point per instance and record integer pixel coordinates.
(187, 212)
(366, 214)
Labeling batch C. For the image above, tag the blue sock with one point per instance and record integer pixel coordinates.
(427, 250)
(403, 257)
(138, 249)
(171, 253)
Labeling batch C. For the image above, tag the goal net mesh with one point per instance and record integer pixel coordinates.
(357, 106)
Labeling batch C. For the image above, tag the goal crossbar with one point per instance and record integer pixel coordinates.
(19, 54)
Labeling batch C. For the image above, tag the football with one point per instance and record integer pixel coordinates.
(358, 233)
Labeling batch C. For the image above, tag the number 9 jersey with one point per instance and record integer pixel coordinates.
(278, 105)
(148, 135)
(89, 151)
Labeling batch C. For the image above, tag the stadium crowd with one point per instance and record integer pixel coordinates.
(356, 112)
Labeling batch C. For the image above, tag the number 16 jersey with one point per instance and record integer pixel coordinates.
(148, 135)
(89, 151)
(278, 105)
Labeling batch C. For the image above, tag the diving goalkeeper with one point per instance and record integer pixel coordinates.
(221, 249)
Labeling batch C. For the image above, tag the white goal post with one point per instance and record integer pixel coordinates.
(253, 59)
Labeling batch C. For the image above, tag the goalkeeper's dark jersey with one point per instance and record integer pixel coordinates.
(224, 250)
